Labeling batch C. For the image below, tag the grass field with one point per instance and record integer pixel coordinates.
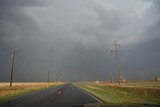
(19, 89)
(136, 84)
(127, 93)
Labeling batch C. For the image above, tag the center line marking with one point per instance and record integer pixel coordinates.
(59, 92)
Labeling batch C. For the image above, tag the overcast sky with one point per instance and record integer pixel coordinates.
(73, 39)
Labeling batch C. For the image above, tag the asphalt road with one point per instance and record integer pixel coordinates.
(66, 95)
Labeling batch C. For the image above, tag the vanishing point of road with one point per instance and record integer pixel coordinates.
(65, 95)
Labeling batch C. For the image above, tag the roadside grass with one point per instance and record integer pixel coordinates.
(19, 89)
(137, 84)
(113, 94)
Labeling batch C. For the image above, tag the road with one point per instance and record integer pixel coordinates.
(66, 95)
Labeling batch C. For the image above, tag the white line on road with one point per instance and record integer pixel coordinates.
(59, 92)
(91, 95)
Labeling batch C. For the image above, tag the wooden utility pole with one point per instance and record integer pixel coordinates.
(111, 79)
(48, 76)
(12, 67)
(117, 51)
(56, 78)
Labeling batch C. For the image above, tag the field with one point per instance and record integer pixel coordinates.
(128, 93)
(19, 89)
(133, 84)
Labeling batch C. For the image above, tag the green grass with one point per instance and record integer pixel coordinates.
(123, 95)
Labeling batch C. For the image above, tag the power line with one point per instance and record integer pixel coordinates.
(117, 51)
(5, 49)
(22, 57)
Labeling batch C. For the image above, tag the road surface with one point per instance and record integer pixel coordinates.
(66, 95)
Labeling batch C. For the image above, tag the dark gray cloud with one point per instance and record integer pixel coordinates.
(23, 3)
(98, 23)
(73, 39)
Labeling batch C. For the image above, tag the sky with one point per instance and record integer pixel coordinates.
(72, 39)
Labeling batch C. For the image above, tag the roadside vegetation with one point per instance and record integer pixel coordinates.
(19, 89)
(127, 93)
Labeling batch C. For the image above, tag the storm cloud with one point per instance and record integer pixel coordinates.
(73, 39)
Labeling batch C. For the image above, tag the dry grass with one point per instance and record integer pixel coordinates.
(136, 84)
(17, 89)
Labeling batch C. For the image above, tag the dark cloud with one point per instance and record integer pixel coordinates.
(22, 3)
(98, 23)
(16, 20)
(153, 30)
(80, 50)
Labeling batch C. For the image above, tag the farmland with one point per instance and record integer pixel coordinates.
(19, 89)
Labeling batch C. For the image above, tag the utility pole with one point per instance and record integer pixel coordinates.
(111, 79)
(117, 51)
(12, 67)
(48, 76)
(56, 78)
